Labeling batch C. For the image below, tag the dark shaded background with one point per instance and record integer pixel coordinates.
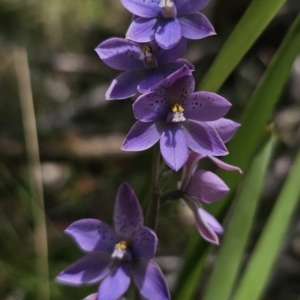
(80, 135)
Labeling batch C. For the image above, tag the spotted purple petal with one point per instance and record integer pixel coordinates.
(206, 186)
(116, 284)
(144, 243)
(150, 280)
(168, 69)
(128, 215)
(90, 269)
(173, 147)
(181, 88)
(92, 235)
(195, 26)
(120, 54)
(184, 74)
(205, 106)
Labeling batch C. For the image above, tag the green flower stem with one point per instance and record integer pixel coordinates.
(171, 195)
(155, 196)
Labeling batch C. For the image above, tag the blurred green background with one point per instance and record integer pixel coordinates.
(80, 135)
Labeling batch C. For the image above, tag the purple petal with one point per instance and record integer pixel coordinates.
(206, 186)
(224, 165)
(168, 33)
(90, 269)
(120, 54)
(205, 106)
(226, 128)
(95, 297)
(203, 138)
(173, 147)
(141, 30)
(151, 107)
(91, 297)
(190, 168)
(203, 227)
(150, 280)
(125, 85)
(190, 6)
(195, 26)
(182, 77)
(142, 136)
(128, 215)
(116, 284)
(92, 235)
(211, 221)
(170, 68)
(181, 88)
(164, 56)
(145, 8)
(153, 77)
(144, 243)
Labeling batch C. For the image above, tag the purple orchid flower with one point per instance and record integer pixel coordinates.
(166, 21)
(145, 65)
(113, 255)
(204, 186)
(178, 118)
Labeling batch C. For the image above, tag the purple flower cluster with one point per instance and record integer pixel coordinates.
(188, 125)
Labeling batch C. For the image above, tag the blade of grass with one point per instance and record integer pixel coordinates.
(258, 15)
(244, 143)
(256, 275)
(186, 290)
(34, 169)
(239, 227)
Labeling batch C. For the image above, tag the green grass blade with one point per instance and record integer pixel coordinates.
(254, 119)
(259, 268)
(239, 227)
(264, 98)
(255, 20)
(187, 290)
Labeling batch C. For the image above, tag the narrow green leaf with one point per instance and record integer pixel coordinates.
(264, 98)
(253, 122)
(255, 20)
(234, 242)
(264, 256)
(186, 292)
